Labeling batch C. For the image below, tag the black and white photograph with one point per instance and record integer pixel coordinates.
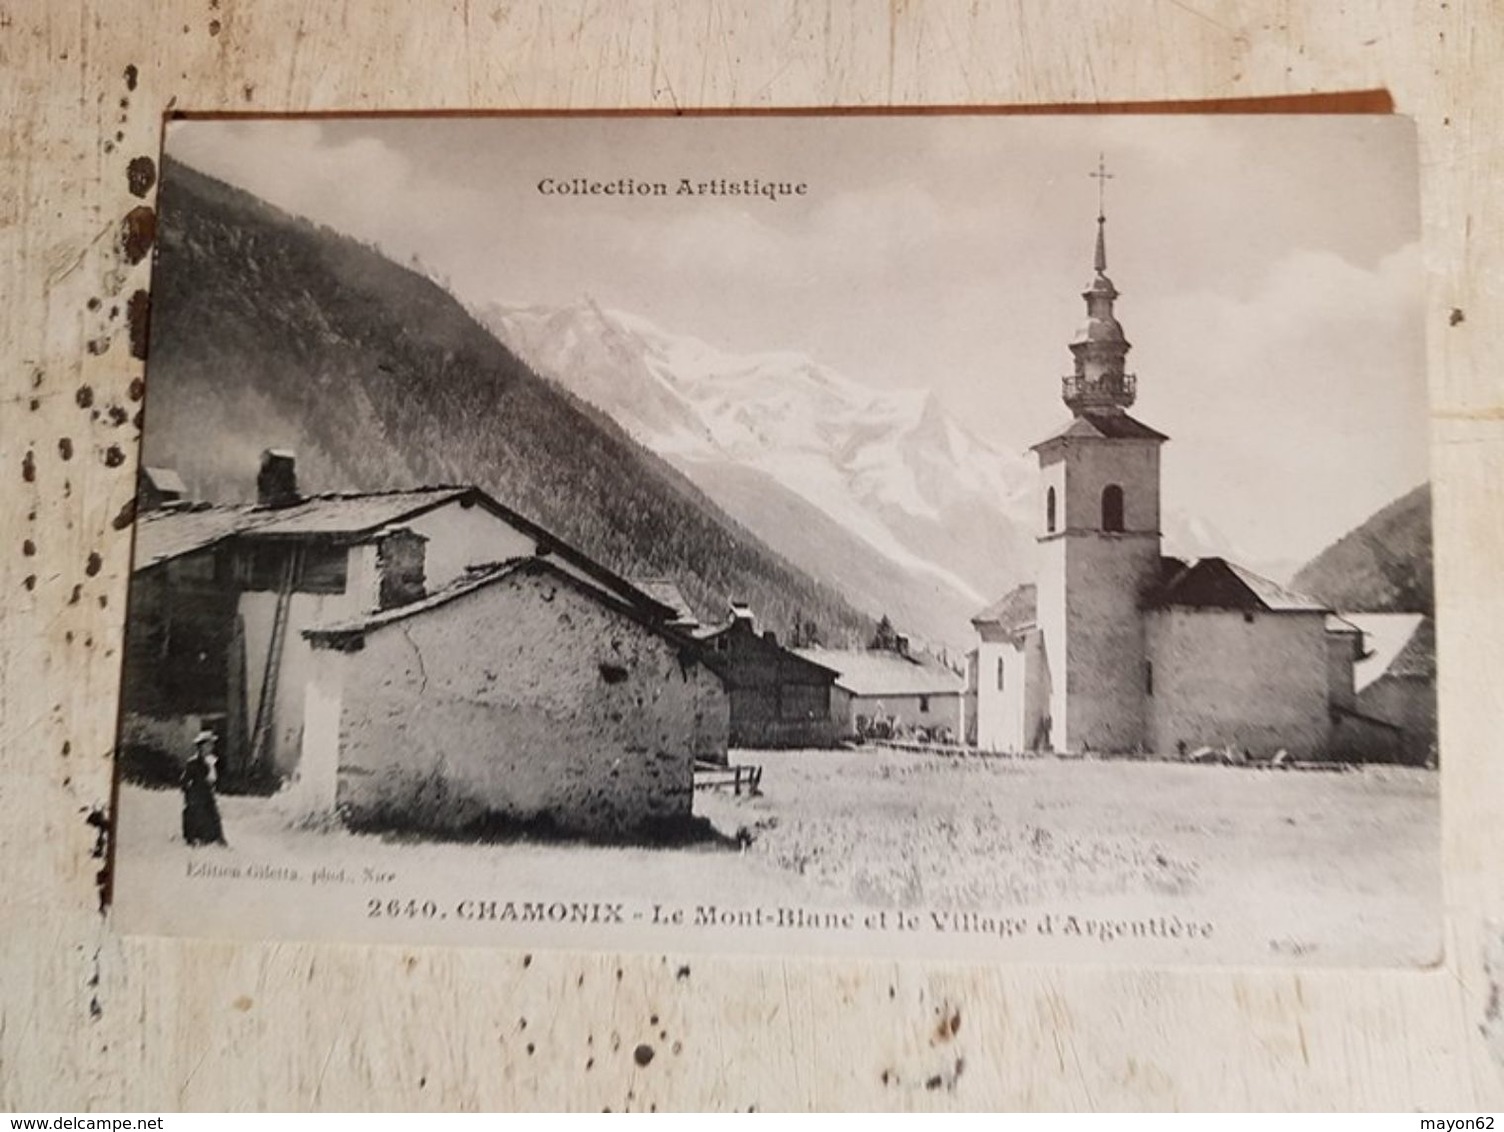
(944, 536)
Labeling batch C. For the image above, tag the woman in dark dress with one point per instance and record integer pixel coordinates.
(201, 825)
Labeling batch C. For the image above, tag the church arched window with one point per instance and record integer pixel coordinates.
(1112, 508)
(1049, 511)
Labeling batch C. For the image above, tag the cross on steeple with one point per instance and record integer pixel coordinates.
(1102, 176)
(1099, 383)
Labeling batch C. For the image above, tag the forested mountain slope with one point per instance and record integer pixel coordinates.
(268, 330)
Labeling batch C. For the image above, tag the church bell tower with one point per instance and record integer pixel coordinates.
(1099, 535)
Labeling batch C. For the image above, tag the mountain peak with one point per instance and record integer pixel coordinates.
(889, 467)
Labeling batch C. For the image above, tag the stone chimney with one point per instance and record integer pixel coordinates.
(277, 482)
(400, 562)
(770, 636)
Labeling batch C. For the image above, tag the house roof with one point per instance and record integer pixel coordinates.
(341, 633)
(1103, 426)
(172, 531)
(760, 641)
(1395, 644)
(666, 592)
(350, 514)
(477, 577)
(877, 672)
(1215, 583)
(1015, 610)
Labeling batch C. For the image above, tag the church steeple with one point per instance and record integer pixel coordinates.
(1099, 383)
(1099, 547)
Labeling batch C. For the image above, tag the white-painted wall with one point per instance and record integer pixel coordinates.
(993, 715)
(313, 788)
(460, 536)
(258, 614)
(1009, 717)
(1012, 717)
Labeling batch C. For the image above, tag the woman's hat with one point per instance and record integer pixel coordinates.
(204, 737)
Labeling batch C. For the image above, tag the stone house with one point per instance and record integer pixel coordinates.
(517, 695)
(221, 596)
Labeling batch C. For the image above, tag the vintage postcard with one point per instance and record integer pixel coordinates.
(963, 537)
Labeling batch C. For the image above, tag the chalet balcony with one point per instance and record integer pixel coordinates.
(1109, 389)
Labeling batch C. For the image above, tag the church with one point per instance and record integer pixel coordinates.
(1118, 648)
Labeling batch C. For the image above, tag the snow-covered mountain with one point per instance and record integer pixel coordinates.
(880, 492)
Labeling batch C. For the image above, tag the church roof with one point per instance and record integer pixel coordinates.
(1395, 644)
(1215, 583)
(1104, 426)
(1015, 610)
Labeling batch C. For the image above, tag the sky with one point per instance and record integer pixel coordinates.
(1269, 266)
